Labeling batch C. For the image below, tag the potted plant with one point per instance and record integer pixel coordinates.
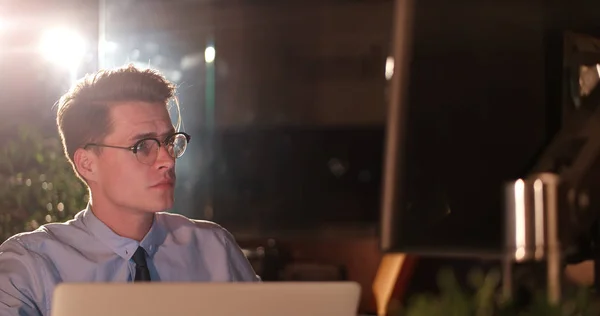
(483, 298)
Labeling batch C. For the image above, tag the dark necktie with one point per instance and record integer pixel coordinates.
(141, 268)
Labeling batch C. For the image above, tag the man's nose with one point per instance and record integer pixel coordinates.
(164, 158)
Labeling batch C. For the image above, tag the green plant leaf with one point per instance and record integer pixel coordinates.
(453, 300)
(33, 175)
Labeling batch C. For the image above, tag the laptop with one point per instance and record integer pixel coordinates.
(214, 299)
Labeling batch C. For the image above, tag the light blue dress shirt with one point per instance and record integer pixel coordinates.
(86, 250)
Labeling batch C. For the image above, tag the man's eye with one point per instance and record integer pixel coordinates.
(144, 147)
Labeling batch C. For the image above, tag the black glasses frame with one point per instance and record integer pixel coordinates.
(134, 147)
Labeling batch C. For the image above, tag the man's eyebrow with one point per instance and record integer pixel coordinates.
(143, 135)
(151, 134)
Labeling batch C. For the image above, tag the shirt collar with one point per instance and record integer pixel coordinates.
(124, 247)
(155, 236)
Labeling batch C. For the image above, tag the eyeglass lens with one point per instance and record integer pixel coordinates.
(147, 150)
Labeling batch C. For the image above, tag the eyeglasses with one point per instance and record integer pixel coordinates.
(146, 149)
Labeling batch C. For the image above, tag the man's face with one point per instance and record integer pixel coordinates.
(123, 180)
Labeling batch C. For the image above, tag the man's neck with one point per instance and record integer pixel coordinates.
(125, 223)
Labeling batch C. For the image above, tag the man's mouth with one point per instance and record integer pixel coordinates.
(167, 183)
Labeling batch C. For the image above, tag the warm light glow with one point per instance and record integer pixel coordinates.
(389, 68)
(63, 47)
(538, 189)
(209, 54)
(520, 219)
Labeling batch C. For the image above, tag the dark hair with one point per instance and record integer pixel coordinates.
(84, 111)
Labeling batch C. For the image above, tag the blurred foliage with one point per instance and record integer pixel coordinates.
(484, 299)
(37, 183)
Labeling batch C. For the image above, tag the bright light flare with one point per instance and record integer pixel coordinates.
(389, 68)
(209, 54)
(63, 47)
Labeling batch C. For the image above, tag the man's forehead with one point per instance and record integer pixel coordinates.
(135, 118)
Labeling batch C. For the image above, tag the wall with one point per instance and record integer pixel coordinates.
(292, 63)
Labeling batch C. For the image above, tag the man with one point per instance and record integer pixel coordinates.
(118, 135)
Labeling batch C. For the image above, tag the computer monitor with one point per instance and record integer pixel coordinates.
(475, 101)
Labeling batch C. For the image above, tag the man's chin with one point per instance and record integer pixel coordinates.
(160, 201)
(160, 206)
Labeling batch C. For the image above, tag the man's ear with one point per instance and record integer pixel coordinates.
(85, 163)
